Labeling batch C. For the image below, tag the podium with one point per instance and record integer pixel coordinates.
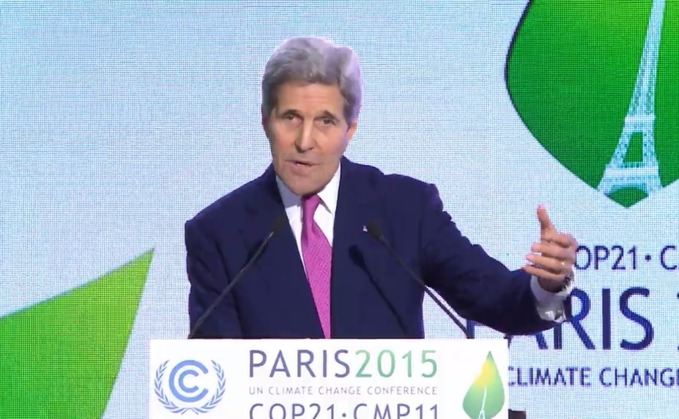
(329, 379)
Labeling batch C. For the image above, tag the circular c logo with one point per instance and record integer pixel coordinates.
(178, 378)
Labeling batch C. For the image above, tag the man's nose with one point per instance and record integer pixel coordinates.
(305, 139)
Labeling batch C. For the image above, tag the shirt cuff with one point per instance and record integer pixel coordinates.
(550, 306)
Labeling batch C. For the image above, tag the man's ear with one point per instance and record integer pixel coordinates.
(352, 129)
(265, 120)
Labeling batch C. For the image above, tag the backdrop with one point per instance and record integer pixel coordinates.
(121, 120)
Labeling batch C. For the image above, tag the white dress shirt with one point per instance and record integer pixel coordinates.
(549, 305)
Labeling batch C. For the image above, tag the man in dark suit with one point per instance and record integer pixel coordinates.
(322, 274)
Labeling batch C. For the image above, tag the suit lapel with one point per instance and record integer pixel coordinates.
(356, 206)
(358, 258)
(280, 266)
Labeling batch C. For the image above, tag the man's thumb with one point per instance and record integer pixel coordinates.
(545, 223)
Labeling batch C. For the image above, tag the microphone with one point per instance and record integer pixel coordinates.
(375, 232)
(275, 226)
(357, 257)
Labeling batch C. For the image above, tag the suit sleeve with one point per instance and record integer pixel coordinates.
(207, 277)
(476, 286)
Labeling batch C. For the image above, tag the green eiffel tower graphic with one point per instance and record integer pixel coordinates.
(60, 358)
(594, 81)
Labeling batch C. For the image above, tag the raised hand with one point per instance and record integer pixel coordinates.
(552, 258)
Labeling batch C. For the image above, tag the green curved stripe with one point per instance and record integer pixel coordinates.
(60, 357)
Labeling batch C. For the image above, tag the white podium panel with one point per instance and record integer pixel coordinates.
(328, 379)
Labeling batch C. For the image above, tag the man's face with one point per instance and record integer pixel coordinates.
(308, 134)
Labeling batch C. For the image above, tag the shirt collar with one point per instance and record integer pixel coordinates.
(328, 194)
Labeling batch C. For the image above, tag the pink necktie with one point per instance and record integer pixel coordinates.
(317, 255)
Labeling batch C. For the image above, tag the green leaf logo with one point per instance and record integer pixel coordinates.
(59, 358)
(486, 396)
(595, 83)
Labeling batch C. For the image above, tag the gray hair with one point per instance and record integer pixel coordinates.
(314, 60)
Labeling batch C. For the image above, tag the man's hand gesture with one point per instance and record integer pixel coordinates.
(552, 258)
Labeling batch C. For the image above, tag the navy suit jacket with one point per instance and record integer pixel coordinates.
(372, 296)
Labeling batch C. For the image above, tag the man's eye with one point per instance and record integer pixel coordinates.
(328, 121)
